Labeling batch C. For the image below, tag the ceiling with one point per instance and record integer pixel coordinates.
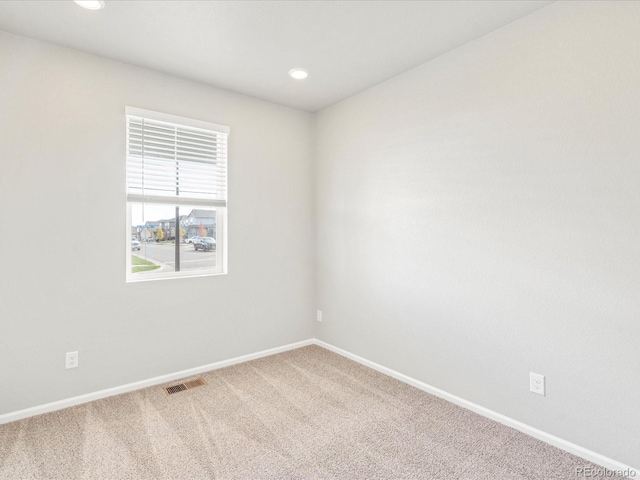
(249, 46)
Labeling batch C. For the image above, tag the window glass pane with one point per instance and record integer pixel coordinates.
(154, 236)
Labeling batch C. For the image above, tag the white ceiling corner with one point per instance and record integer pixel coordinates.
(248, 47)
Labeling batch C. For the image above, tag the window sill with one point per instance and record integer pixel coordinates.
(139, 277)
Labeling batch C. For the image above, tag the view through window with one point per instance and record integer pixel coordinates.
(153, 242)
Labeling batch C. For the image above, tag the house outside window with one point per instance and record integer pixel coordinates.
(201, 223)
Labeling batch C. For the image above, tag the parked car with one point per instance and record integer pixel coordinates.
(135, 245)
(192, 239)
(205, 244)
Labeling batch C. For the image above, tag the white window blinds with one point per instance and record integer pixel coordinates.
(175, 160)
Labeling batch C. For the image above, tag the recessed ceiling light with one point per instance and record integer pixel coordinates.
(91, 4)
(298, 73)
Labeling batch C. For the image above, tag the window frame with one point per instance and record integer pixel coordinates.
(221, 211)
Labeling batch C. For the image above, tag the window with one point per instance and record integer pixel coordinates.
(176, 196)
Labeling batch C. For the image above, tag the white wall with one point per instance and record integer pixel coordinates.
(478, 218)
(62, 251)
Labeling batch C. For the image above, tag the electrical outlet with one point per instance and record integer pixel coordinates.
(319, 315)
(537, 384)
(72, 360)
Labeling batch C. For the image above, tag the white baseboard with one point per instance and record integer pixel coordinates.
(498, 417)
(130, 387)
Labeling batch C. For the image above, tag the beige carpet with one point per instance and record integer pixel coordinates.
(306, 414)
